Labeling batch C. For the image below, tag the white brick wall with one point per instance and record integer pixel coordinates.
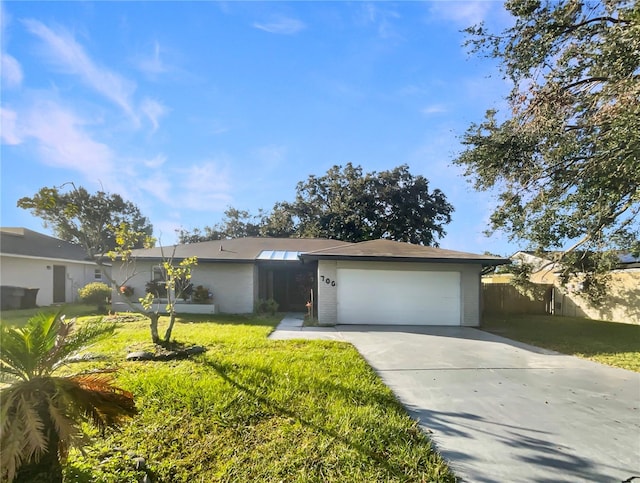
(327, 294)
(232, 284)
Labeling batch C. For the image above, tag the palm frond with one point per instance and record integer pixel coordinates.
(33, 429)
(63, 332)
(81, 338)
(45, 343)
(96, 398)
(15, 354)
(10, 459)
(23, 352)
(68, 429)
(22, 429)
(40, 414)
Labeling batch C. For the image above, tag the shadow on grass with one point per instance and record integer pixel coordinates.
(227, 374)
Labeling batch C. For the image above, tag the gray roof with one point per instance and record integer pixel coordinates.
(28, 243)
(251, 249)
(237, 249)
(389, 250)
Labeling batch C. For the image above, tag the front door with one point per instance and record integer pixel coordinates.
(59, 284)
(289, 285)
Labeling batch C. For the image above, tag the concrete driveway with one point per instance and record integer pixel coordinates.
(502, 411)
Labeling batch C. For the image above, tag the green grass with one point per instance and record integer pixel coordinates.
(253, 409)
(19, 317)
(609, 343)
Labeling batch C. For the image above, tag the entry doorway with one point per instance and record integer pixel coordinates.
(59, 284)
(288, 285)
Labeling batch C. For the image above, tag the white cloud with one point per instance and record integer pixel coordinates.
(158, 185)
(434, 109)
(156, 162)
(464, 14)
(281, 25)
(381, 18)
(62, 141)
(69, 55)
(11, 71)
(153, 110)
(9, 133)
(204, 187)
(153, 65)
(271, 156)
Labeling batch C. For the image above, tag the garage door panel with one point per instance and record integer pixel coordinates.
(398, 297)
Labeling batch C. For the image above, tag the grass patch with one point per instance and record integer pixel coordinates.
(610, 343)
(18, 318)
(253, 409)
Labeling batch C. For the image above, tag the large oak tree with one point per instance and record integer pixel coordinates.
(565, 158)
(346, 204)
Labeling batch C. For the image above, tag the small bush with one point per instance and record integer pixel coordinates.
(157, 288)
(184, 289)
(96, 293)
(201, 295)
(268, 306)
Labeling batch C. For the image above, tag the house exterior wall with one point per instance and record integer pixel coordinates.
(32, 272)
(327, 296)
(469, 285)
(233, 284)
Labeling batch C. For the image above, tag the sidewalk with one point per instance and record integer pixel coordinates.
(291, 327)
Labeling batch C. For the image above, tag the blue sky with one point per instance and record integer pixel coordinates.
(188, 108)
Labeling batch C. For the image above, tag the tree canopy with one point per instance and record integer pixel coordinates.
(346, 204)
(565, 158)
(90, 220)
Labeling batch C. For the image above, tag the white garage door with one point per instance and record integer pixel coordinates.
(398, 297)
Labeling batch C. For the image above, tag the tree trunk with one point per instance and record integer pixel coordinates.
(153, 318)
(167, 334)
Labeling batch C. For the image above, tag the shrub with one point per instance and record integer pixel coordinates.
(184, 289)
(96, 293)
(157, 288)
(201, 295)
(268, 306)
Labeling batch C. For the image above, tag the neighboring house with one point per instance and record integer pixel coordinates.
(372, 282)
(31, 260)
(621, 305)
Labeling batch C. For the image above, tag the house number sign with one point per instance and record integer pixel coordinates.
(328, 281)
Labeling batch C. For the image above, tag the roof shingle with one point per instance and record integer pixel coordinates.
(28, 243)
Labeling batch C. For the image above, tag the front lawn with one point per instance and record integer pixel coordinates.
(609, 343)
(19, 317)
(253, 409)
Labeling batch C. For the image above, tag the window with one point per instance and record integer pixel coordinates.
(97, 274)
(157, 274)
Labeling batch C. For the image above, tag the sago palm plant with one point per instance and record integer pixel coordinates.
(41, 414)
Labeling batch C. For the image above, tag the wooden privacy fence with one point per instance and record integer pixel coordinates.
(504, 298)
